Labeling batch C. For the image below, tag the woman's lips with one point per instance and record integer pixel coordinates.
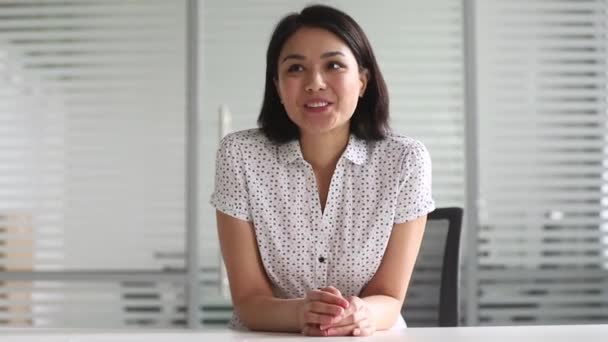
(317, 106)
(320, 109)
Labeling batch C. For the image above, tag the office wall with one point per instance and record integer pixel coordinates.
(92, 148)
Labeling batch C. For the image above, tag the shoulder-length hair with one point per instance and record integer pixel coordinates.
(370, 119)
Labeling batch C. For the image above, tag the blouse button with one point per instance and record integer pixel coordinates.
(321, 259)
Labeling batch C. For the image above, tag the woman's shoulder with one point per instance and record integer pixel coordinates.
(246, 136)
(248, 146)
(396, 143)
(402, 152)
(245, 139)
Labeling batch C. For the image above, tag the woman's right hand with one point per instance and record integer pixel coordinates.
(321, 307)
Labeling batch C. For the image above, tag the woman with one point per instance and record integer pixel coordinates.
(321, 211)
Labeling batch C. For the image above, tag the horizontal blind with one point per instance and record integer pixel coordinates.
(92, 164)
(543, 241)
(419, 49)
(419, 46)
(92, 142)
(98, 305)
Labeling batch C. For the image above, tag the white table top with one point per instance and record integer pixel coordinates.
(562, 333)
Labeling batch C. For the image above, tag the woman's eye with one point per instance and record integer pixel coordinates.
(295, 68)
(334, 66)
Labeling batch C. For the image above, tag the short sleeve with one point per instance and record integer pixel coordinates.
(415, 195)
(230, 193)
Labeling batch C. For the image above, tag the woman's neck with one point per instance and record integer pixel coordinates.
(322, 151)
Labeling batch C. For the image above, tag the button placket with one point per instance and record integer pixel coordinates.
(320, 268)
(324, 256)
(322, 253)
(313, 216)
(320, 257)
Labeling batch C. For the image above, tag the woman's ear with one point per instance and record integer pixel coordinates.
(363, 78)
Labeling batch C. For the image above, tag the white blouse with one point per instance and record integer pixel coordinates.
(374, 186)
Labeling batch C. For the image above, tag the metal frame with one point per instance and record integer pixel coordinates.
(471, 160)
(193, 289)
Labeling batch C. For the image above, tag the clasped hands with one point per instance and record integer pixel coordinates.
(325, 312)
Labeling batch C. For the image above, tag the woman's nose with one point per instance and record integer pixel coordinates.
(315, 82)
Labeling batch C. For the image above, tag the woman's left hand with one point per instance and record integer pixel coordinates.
(357, 321)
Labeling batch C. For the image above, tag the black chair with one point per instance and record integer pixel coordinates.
(432, 295)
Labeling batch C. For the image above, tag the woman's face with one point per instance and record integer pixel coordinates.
(319, 81)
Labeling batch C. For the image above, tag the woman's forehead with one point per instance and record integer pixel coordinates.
(314, 43)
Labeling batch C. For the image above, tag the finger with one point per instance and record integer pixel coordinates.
(342, 330)
(355, 304)
(324, 308)
(342, 323)
(332, 290)
(312, 330)
(364, 328)
(329, 298)
(365, 331)
(320, 319)
(347, 318)
(354, 307)
(355, 318)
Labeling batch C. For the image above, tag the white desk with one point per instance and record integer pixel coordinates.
(564, 333)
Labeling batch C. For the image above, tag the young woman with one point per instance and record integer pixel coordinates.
(322, 210)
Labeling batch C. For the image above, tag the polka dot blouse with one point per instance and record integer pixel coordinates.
(375, 185)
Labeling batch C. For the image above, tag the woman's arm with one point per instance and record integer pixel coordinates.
(385, 293)
(250, 288)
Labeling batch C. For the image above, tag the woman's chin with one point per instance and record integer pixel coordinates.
(321, 129)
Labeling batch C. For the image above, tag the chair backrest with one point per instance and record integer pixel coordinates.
(432, 295)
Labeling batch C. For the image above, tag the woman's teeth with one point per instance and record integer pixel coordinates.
(317, 104)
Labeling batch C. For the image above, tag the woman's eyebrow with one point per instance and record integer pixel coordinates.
(331, 54)
(301, 57)
(293, 56)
